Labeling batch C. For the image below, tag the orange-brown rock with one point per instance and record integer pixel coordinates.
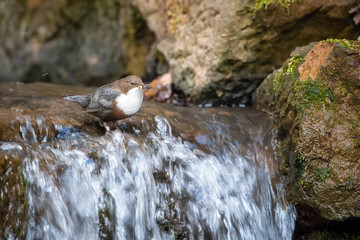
(161, 88)
(315, 101)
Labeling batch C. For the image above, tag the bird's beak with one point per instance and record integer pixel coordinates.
(145, 86)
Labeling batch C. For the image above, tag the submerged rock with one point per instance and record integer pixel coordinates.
(220, 51)
(315, 101)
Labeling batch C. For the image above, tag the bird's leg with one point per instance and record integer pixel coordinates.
(106, 126)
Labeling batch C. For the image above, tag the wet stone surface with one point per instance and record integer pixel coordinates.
(314, 99)
(152, 175)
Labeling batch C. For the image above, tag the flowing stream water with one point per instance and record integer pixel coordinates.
(152, 181)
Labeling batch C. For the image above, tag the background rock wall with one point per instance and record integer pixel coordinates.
(74, 42)
(222, 50)
(218, 51)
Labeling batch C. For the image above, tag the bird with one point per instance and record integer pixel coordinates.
(114, 101)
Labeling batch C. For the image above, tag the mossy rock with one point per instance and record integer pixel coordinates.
(325, 234)
(13, 197)
(259, 4)
(315, 99)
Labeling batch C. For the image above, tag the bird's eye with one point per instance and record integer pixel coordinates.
(132, 83)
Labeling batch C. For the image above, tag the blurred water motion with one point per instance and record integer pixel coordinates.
(158, 183)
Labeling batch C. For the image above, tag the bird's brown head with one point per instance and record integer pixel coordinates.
(130, 82)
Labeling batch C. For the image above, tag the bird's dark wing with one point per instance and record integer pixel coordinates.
(82, 100)
(102, 99)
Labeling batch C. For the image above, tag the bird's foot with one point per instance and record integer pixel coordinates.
(105, 125)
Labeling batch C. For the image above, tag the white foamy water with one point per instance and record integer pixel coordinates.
(155, 186)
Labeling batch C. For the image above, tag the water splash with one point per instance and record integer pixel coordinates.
(33, 134)
(26, 129)
(154, 185)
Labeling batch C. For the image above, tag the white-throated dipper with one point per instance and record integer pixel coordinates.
(114, 101)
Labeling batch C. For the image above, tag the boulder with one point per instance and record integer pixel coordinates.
(220, 51)
(315, 102)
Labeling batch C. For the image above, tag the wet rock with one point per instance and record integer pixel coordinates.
(80, 42)
(220, 51)
(163, 91)
(13, 198)
(314, 99)
(37, 124)
(36, 112)
(161, 88)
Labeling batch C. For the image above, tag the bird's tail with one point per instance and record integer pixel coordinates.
(82, 100)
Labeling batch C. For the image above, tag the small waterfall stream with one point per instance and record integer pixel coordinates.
(154, 182)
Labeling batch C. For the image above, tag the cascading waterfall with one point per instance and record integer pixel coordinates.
(151, 184)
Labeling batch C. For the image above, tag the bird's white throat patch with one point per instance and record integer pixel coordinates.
(131, 102)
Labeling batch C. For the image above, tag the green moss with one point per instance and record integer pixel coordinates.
(303, 183)
(171, 229)
(287, 72)
(300, 167)
(166, 226)
(176, 12)
(259, 4)
(284, 168)
(357, 142)
(345, 43)
(323, 173)
(311, 93)
(106, 218)
(300, 159)
(293, 64)
(328, 235)
(13, 204)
